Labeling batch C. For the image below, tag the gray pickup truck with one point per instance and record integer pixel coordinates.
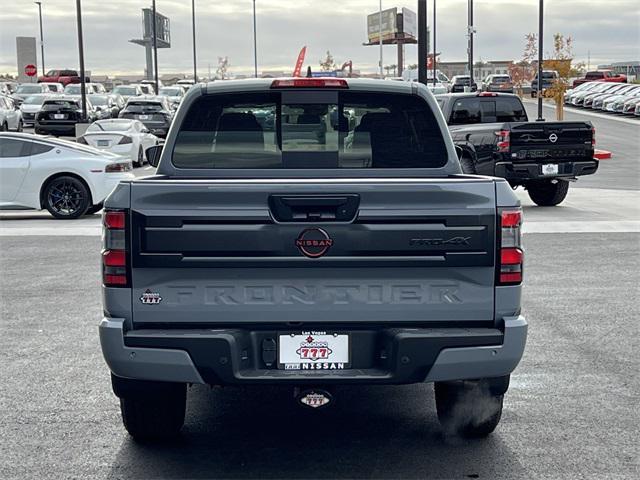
(311, 232)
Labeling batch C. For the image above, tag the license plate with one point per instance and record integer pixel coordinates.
(143, 117)
(103, 143)
(59, 116)
(550, 169)
(313, 351)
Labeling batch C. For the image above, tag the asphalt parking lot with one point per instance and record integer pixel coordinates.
(571, 411)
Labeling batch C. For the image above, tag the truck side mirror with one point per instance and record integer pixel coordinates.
(153, 155)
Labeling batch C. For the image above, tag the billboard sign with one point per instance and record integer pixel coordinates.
(163, 28)
(389, 24)
(409, 23)
(26, 55)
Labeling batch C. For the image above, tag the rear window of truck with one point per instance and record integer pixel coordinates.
(487, 110)
(263, 131)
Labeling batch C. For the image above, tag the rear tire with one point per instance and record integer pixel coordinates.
(154, 415)
(4, 128)
(468, 408)
(94, 209)
(20, 127)
(140, 162)
(545, 193)
(467, 164)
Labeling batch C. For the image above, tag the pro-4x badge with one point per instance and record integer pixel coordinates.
(150, 298)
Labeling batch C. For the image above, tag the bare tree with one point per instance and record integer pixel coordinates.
(223, 68)
(328, 64)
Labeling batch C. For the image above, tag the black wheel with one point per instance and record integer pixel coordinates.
(4, 128)
(66, 197)
(94, 209)
(533, 94)
(140, 161)
(159, 416)
(468, 167)
(467, 408)
(548, 193)
(20, 126)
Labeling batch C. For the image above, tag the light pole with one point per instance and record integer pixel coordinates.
(193, 25)
(83, 86)
(155, 47)
(380, 37)
(540, 56)
(41, 36)
(470, 32)
(434, 43)
(255, 43)
(423, 52)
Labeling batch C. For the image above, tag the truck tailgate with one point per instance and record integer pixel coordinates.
(559, 141)
(217, 252)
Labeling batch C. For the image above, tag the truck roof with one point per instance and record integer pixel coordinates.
(264, 84)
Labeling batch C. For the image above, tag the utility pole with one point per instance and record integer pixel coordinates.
(470, 32)
(41, 36)
(380, 37)
(83, 86)
(255, 43)
(434, 44)
(540, 58)
(423, 51)
(193, 29)
(155, 48)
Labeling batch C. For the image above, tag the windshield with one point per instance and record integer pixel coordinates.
(487, 110)
(72, 89)
(109, 126)
(501, 79)
(138, 106)
(125, 90)
(99, 99)
(171, 92)
(55, 104)
(34, 100)
(29, 89)
(276, 130)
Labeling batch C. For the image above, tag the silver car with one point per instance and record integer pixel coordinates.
(31, 106)
(10, 115)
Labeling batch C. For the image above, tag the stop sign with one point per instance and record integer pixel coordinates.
(30, 70)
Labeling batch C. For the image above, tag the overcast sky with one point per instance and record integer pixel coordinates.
(607, 29)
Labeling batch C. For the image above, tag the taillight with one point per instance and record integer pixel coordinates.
(310, 83)
(593, 136)
(504, 143)
(114, 253)
(118, 167)
(124, 140)
(510, 247)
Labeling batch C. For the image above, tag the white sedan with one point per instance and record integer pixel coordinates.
(63, 177)
(129, 138)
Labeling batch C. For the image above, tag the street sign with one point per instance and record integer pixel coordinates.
(30, 70)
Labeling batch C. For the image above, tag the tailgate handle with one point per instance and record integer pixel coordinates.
(314, 208)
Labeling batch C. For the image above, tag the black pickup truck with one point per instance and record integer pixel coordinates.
(494, 137)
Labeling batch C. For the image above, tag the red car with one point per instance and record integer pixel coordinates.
(65, 77)
(601, 76)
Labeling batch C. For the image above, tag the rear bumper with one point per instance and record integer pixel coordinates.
(68, 128)
(381, 356)
(520, 172)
